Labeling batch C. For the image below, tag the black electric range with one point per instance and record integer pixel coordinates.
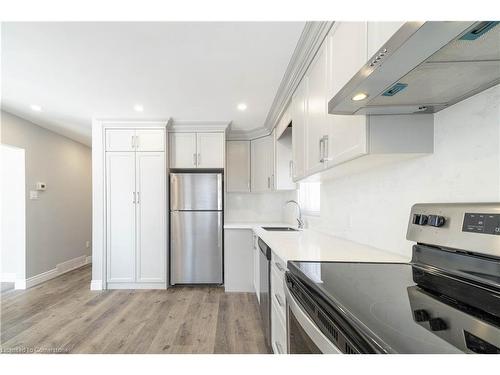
(444, 301)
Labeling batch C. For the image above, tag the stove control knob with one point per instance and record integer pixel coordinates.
(436, 220)
(437, 324)
(420, 219)
(421, 315)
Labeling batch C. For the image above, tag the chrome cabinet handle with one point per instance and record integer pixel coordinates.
(279, 267)
(132, 141)
(324, 155)
(136, 141)
(280, 302)
(194, 159)
(269, 182)
(272, 181)
(290, 169)
(321, 150)
(138, 197)
(133, 201)
(279, 347)
(199, 159)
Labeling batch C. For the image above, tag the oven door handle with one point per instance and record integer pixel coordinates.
(314, 333)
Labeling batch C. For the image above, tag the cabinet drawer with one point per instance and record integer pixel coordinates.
(278, 331)
(278, 264)
(278, 291)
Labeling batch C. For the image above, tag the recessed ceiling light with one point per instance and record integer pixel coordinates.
(242, 106)
(138, 108)
(359, 96)
(36, 107)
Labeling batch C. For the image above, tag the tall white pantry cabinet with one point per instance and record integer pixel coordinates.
(136, 207)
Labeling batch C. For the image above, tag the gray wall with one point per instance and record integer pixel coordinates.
(59, 223)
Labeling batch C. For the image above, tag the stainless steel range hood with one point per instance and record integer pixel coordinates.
(423, 68)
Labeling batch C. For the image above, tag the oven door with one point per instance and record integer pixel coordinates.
(303, 336)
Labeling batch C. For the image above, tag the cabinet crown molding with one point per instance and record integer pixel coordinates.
(198, 126)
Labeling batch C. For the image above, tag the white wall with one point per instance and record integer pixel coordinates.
(59, 223)
(259, 207)
(13, 216)
(373, 207)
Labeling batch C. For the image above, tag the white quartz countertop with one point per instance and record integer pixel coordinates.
(251, 225)
(310, 245)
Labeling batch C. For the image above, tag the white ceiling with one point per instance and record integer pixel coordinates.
(190, 71)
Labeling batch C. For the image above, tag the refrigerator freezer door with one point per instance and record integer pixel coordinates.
(195, 191)
(196, 247)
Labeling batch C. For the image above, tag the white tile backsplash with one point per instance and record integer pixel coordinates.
(373, 207)
(259, 207)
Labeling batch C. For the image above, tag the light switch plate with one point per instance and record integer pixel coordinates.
(34, 195)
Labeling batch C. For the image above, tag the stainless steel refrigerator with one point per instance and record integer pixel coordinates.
(196, 220)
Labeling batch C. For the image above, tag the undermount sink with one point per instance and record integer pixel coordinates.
(280, 229)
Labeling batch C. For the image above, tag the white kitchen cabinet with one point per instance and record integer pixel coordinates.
(197, 150)
(278, 305)
(299, 123)
(238, 166)
(210, 150)
(151, 210)
(317, 112)
(379, 33)
(135, 140)
(182, 150)
(284, 161)
(262, 166)
(136, 217)
(238, 260)
(256, 265)
(347, 53)
(120, 218)
(150, 140)
(120, 140)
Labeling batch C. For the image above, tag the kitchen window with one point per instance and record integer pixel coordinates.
(310, 198)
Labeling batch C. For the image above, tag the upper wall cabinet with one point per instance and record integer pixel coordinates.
(238, 166)
(283, 161)
(322, 141)
(135, 140)
(299, 124)
(262, 153)
(196, 150)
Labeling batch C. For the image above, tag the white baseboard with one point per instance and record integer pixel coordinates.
(60, 269)
(96, 285)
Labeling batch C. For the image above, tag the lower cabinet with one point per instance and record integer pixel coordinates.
(256, 266)
(238, 260)
(278, 305)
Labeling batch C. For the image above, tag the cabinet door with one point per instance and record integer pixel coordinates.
(120, 212)
(256, 266)
(210, 150)
(182, 150)
(150, 139)
(284, 164)
(262, 155)
(299, 122)
(120, 139)
(317, 126)
(347, 53)
(151, 217)
(238, 257)
(347, 136)
(379, 33)
(238, 166)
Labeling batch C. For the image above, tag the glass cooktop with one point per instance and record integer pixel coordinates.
(376, 298)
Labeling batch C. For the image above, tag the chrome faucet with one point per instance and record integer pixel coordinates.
(300, 221)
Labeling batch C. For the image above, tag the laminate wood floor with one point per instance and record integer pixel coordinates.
(63, 316)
